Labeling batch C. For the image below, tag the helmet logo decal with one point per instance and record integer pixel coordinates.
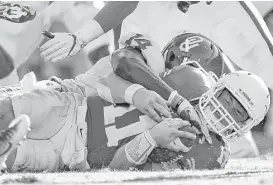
(190, 42)
(246, 96)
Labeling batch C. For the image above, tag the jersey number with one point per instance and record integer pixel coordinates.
(121, 122)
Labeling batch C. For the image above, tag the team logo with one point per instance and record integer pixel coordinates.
(190, 42)
(16, 13)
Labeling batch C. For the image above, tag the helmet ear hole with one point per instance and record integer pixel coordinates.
(171, 56)
(211, 46)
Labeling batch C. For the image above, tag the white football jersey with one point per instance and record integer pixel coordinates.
(21, 40)
(230, 24)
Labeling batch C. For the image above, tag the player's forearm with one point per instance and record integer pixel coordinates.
(120, 162)
(113, 13)
(117, 87)
(136, 71)
(88, 32)
(135, 153)
(108, 18)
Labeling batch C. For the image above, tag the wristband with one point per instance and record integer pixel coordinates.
(75, 39)
(138, 150)
(171, 97)
(130, 92)
(175, 100)
(184, 105)
(89, 32)
(150, 138)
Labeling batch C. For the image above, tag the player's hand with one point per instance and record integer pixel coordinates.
(62, 46)
(151, 104)
(166, 132)
(195, 120)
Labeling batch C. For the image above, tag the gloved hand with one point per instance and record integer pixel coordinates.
(65, 45)
(60, 46)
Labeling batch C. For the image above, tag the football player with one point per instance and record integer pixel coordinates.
(217, 99)
(59, 133)
(19, 40)
(182, 48)
(216, 20)
(129, 69)
(21, 25)
(112, 132)
(249, 45)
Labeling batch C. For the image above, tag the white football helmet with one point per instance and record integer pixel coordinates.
(251, 92)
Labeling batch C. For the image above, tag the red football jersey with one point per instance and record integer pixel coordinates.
(110, 127)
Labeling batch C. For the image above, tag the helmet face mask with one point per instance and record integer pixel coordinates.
(248, 94)
(219, 119)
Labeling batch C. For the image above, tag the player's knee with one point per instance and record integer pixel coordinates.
(6, 63)
(122, 57)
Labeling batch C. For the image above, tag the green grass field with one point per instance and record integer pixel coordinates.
(238, 172)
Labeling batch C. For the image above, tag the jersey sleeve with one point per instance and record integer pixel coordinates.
(117, 11)
(69, 85)
(92, 76)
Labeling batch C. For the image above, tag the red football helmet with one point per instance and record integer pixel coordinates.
(195, 47)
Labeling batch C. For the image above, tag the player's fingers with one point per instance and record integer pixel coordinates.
(56, 54)
(49, 44)
(178, 148)
(153, 115)
(61, 57)
(184, 134)
(191, 130)
(178, 123)
(52, 49)
(162, 110)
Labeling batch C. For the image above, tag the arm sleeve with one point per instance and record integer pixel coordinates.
(111, 87)
(113, 13)
(92, 76)
(69, 85)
